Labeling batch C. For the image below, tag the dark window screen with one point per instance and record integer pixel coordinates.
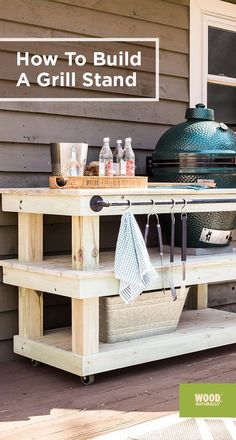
(221, 50)
(223, 100)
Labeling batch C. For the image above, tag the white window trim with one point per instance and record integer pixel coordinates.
(222, 80)
(204, 13)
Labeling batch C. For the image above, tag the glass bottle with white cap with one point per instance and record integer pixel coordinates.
(129, 159)
(117, 158)
(105, 159)
(74, 165)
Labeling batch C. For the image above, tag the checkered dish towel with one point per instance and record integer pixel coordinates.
(132, 263)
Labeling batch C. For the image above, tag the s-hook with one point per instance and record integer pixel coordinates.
(147, 223)
(129, 205)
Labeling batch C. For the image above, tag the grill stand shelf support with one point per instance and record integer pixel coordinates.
(84, 280)
(85, 256)
(30, 249)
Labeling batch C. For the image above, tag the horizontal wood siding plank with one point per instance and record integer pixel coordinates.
(25, 158)
(6, 351)
(156, 12)
(172, 88)
(11, 29)
(57, 238)
(8, 298)
(8, 240)
(165, 112)
(23, 180)
(9, 320)
(73, 19)
(40, 128)
(7, 218)
(174, 64)
(8, 324)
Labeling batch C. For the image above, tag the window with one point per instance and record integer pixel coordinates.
(213, 57)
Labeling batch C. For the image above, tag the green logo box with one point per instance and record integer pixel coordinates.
(207, 400)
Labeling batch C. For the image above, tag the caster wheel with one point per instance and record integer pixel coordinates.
(35, 363)
(87, 380)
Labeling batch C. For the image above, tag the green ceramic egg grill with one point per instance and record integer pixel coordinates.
(197, 149)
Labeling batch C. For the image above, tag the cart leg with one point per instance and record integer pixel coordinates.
(202, 296)
(85, 242)
(30, 313)
(85, 312)
(30, 241)
(85, 319)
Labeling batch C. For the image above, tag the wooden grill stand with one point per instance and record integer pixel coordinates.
(84, 279)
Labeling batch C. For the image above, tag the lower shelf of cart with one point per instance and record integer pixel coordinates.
(198, 330)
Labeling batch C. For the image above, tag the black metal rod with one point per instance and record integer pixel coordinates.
(97, 203)
(106, 204)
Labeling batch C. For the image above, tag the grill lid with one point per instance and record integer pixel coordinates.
(199, 135)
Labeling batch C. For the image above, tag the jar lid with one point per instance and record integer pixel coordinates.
(200, 112)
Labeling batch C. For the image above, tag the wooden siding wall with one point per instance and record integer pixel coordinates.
(28, 128)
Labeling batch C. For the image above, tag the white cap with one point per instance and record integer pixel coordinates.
(119, 140)
(128, 139)
(106, 139)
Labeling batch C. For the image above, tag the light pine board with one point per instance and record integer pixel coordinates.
(193, 334)
(202, 296)
(55, 274)
(30, 237)
(85, 312)
(77, 202)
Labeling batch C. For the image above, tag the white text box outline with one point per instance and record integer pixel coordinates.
(125, 40)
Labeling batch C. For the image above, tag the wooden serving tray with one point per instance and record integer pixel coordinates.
(97, 182)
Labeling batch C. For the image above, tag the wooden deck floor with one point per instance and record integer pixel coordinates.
(45, 403)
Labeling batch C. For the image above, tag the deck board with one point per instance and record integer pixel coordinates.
(54, 405)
